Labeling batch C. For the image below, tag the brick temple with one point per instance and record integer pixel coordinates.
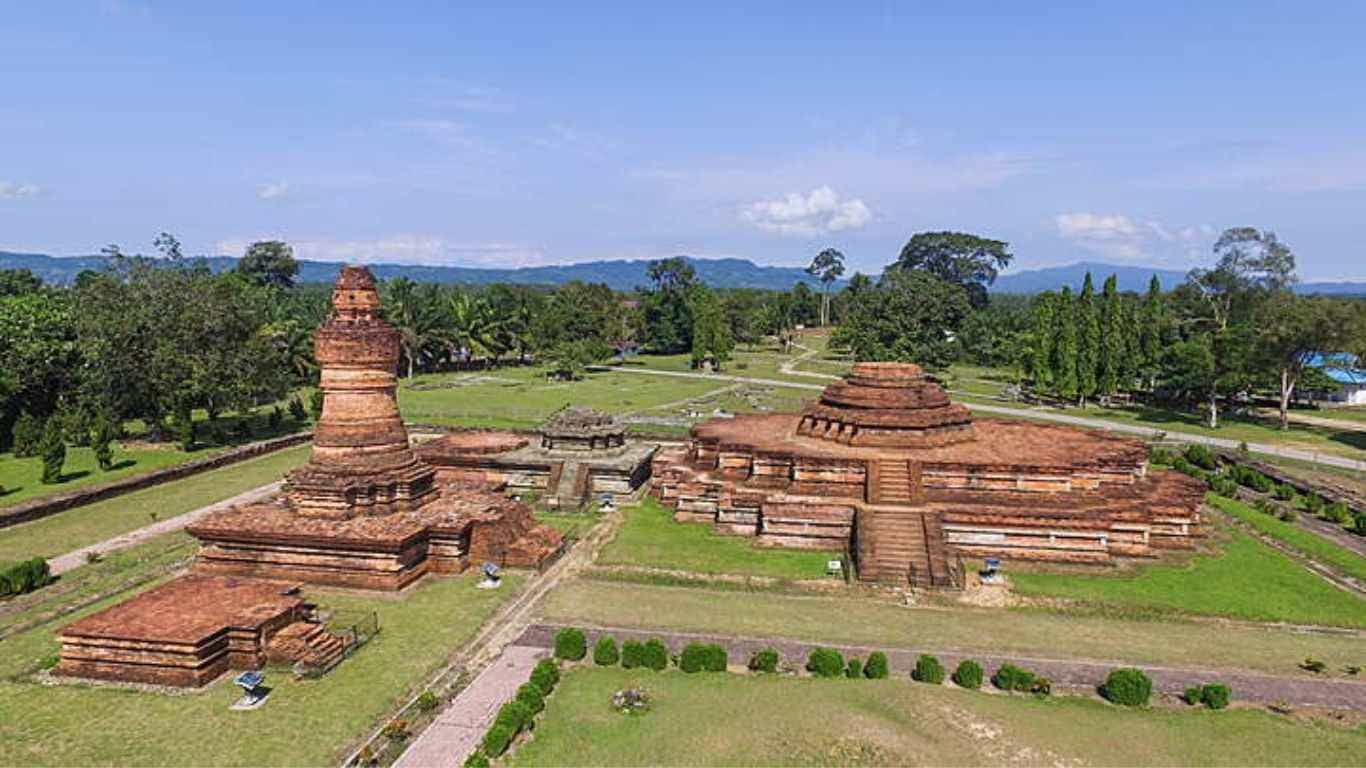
(366, 512)
(885, 466)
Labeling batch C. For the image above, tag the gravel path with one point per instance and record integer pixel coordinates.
(1064, 673)
(77, 558)
(1046, 415)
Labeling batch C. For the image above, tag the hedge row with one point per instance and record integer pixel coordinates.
(25, 576)
(517, 715)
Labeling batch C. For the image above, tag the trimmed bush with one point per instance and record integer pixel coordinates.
(546, 675)
(1128, 687)
(1223, 486)
(315, 404)
(1187, 468)
(27, 434)
(427, 702)
(1200, 456)
(1215, 695)
(514, 715)
(765, 660)
(1314, 503)
(53, 450)
(968, 674)
(1159, 455)
(1012, 678)
(703, 657)
(570, 644)
(477, 759)
(605, 652)
(1337, 513)
(297, 412)
(928, 670)
(531, 695)
(854, 669)
(876, 668)
(632, 654)
(102, 442)
(1193, 694)
(825, 662)
(1042, 686)
(1285, 492)
(654, 655)
(25, 576)
(497, 739)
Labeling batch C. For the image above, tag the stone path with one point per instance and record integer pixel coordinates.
(1064, 673)
(460, 727)
(77, 558)
(1045, 415)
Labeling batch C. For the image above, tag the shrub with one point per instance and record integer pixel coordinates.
(968, 674)
(395, 729)
(28, 435)
(765, 660)
(1215, 695)
(1313, 665)
(825, 662)
(1194, 694)
(1285, 492)
(546, 675)
(1338, 513)
(854, 669)
(532, 697)
(1287, 514)
(654, 655)
(1223, 486)
(1042, 686)
(632, 654)
(1160, 455)
(605, 652)
(1267, 507)
(1012, 678)
(1187, 468)
(477, 759)
(1359, 522)
(1200, 456)
(497, 739)
(25, 576)
(1313, 503)
(515, 715)
(1128, 687)
(928, 670)
(315, 404)
(103, 442)
(427, 702)
(275, 418)
(703, 657)
(570, 644)
(297, 412)
(53, 449)
(876, 668)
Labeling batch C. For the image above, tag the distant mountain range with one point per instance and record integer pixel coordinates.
(626, 275)
(1129, 278)
(620, 275)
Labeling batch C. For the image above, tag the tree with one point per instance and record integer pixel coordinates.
(959, 258)
(910, 316)
(269, 262)
(415, 313)
(1292, 330)
(827, 267)
(1043, 340)
(668, 322)
(1188, 373)
(1088, 340)
(1150, 325)
(53, 451)
(711, 336)
(104, 434)
(1065, 348)
(1113, 346)
(16, 282)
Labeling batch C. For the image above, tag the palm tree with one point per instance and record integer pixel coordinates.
(471, 324)
(414, 312)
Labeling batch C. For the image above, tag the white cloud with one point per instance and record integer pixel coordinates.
(12, 190)
(1122, 238)
(818, 212)
(416, 249)
(273, 190)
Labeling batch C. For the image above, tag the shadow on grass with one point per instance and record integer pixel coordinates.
(124, 464)
(67, 477)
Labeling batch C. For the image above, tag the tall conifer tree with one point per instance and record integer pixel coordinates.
(1045, 338)
(1065, 346)
(1112, 346)
(1088, 340)
(1150, 332)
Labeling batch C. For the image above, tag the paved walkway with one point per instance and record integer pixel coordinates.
(1064, 673)
(460, 727)
(77, 558)
(1046, 415)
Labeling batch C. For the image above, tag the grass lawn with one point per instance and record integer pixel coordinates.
(1246, 580)
(577, 524)
(724, 719)
(1311, 544)
(649, 537)
(304, 723)
(75, 528)
(21, 478)
(863, 621)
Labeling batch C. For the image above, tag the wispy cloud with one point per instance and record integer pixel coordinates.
(273, 190)
(1337, 170)
(419, 249)
(818, 212)
(13, 190)
(1122, 238)
(466, 98)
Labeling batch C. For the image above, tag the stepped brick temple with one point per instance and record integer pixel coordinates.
(581, 453)
(886, 466)
(365, 512)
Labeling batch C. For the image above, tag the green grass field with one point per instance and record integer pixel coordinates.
(1307, 542)
(864, 621)
(650, 538)
(75, 528)
(304, 722)
(1245, 580)
(21, 478)
(723, 719)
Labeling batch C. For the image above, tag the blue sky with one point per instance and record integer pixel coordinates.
(502, 134)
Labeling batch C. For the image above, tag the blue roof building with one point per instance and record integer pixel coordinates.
(1345, 370)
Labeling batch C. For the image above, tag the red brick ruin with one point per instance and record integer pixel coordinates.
(366, 512)
(886, 466)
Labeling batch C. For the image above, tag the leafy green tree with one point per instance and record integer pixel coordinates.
(962, 259)
(827, 266)
(668, 318)
(569, 359)
(17, 282)
(1291, 330)
(711, 335)
(415, 312)
(1113, 343)
(1065, 346)
(1088, 341)
(1189, 373)
(269, 262)
(910, 316)
(28, 435)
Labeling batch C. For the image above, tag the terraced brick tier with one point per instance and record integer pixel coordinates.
(887, 404)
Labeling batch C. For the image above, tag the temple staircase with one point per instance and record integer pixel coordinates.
(895, 484)
(571, 487)
(307, 643)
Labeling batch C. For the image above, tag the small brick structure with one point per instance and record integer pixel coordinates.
(886, 466)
